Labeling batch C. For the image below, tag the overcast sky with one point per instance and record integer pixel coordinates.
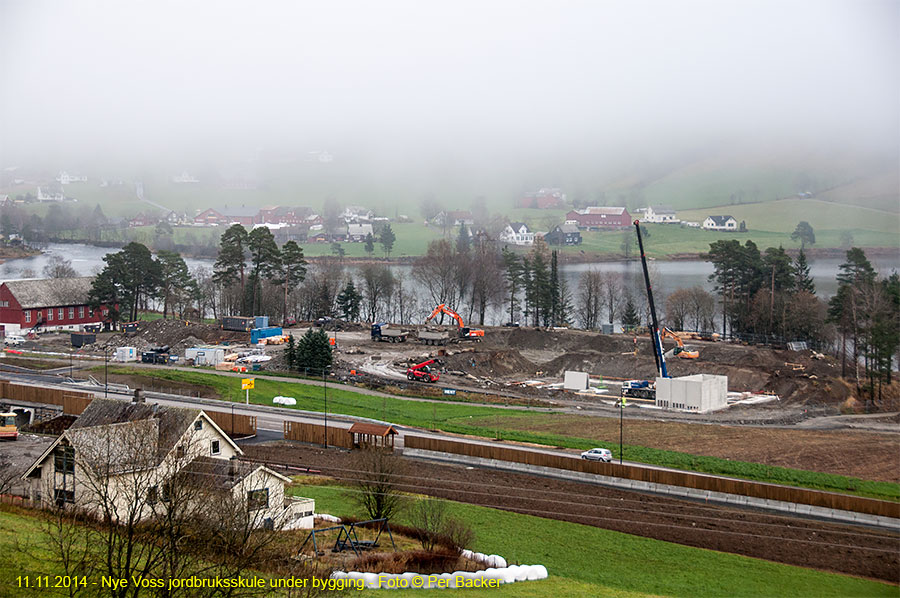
(133, 78)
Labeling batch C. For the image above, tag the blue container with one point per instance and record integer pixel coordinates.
(259, 333)
(261, 322)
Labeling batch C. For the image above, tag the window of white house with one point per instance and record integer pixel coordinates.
(153, 495)
(258, 499)
(198, 425)
(215, 449)
(27, 316)
(60, 496)
(64, 459)
(71, 313)
(81, 311)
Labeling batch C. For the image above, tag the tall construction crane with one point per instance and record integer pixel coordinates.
(645, 389)
(464, 331)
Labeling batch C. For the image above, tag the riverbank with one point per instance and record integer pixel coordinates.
(14, 253)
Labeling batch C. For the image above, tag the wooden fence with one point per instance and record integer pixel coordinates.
(233, 424)
(73, 402)
(673, 478)
(315, 434)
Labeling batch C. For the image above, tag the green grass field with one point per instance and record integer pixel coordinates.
(588, 561)
(476, 420)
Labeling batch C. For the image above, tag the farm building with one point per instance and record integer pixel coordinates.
(660, 214)
(50, 303)
(595, 217)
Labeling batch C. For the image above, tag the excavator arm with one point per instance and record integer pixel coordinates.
(443, 309)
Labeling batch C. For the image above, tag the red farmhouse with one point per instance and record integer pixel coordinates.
(600, 217)
(53, 303)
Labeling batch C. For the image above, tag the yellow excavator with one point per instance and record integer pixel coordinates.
(680, 350)
(8, 428)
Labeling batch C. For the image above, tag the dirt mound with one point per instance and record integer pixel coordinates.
(559, 340)
(486, 363)
(177, 334)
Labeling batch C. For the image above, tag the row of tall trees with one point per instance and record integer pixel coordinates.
(765, 293)
(132, 279)
(248, 260)
(866, 310)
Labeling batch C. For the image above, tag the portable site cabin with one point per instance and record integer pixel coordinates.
(205, 355)
(124, 354)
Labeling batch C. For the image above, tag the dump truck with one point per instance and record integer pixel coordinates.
(433, 337)
(384, 332)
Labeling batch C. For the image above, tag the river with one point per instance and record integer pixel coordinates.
(668, 275)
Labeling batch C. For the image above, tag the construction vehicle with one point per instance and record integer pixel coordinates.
(384, 332)
(680, 350)
(434, 337)
(464, 331)
(646, 389)
(422, 371)
(8, 427)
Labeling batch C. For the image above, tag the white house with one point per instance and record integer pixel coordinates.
(357, 232)
(720, 223)
(133, 457)
(52, 196)
(65, 178)
(184, 177)
(660, 214)
(517, 233)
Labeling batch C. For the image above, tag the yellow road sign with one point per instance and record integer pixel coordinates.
(247, 383)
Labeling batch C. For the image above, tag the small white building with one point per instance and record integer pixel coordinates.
(357, 232)
(660, 214)
(726, 223)
(699, 393)
(184, 177)
(51, 196)
(65, 178)
(517, 233)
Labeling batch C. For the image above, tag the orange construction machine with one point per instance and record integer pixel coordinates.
(464, 331)
(680, 351)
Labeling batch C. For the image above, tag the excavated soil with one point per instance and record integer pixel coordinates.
(807, 543)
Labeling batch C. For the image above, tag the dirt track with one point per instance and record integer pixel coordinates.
(832, 547)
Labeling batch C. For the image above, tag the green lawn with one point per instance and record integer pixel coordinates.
(476, 420)
(588, 561)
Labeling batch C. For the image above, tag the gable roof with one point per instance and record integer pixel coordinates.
(50, 292)
(662, 210)
(568, 228)
(609, 211)
(516, 226)
(720, 220)
(372, 429)
(221, 474)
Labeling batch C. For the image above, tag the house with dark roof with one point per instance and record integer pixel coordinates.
(727, 223)
(48, 304)
(563, 234)
(517, 233)
(130, 458)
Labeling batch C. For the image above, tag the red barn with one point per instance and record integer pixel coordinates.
(600, 217)
(51, 303)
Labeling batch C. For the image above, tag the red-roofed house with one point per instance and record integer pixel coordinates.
(600, 217)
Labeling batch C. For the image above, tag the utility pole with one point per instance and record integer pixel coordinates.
(325, 386)
(621, 409)
(106, 371)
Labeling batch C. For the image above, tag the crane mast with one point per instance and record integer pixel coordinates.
(654, 327)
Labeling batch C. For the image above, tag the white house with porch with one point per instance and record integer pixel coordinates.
(726, 223)
(517, 233)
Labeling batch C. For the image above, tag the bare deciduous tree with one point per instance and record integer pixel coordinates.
(376, 488)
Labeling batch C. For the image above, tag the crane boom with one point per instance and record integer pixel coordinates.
(654, 329)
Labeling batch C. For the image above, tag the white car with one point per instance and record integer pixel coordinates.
(598, 454)
(14, 340)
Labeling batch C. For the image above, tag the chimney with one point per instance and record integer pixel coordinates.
(138, 396)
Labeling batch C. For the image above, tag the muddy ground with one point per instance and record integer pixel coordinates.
(832, 547)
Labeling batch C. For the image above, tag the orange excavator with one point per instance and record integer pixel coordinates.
(680, 350)
(464, 331)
